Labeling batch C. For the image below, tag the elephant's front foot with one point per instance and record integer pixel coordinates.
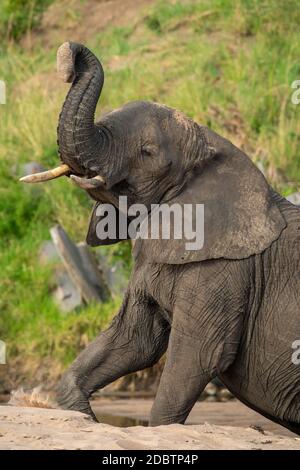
(163, 419)
(70, 397)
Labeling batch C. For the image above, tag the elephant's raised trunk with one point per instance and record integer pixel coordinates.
(78, 138)
(80, 143)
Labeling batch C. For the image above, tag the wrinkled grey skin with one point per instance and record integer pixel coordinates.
(229, 310)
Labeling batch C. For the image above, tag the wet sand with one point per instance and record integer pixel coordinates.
(229, 413)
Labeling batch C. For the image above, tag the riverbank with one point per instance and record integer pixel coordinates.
(128, 412)
(211, 60)
(37, 428)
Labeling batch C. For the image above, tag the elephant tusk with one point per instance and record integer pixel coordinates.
(47, 175)
(100, 178)
(98, 182)
(88, 183)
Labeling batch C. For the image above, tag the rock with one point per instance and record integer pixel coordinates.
(66, 295)
(116, 278)
(38, 428)
(32, 167)
(78, 278)
(78, 266)
(93, 271)
(48, 253)
(26, 169)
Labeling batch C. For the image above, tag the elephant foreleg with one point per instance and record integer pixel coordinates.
(181, 383)
(136, 339)
(192, 361)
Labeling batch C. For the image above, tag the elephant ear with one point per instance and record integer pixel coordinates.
(93, 238)
(238, 216)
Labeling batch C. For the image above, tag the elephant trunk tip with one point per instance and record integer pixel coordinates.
(66, 62)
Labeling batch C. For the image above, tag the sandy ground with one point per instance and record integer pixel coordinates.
(37, 428)
(228, 413)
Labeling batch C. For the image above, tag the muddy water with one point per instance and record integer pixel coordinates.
(120, 421)
(136, 412)
(126, 412)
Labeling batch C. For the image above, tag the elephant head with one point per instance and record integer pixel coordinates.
(153, 154)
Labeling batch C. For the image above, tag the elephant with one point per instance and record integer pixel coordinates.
(228, 310)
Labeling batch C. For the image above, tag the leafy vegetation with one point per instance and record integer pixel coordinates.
(20, 16)
(227, 64)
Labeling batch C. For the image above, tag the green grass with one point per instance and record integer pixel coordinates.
(19, 16)
(227, 64)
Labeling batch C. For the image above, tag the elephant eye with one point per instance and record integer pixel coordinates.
(147, 152)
